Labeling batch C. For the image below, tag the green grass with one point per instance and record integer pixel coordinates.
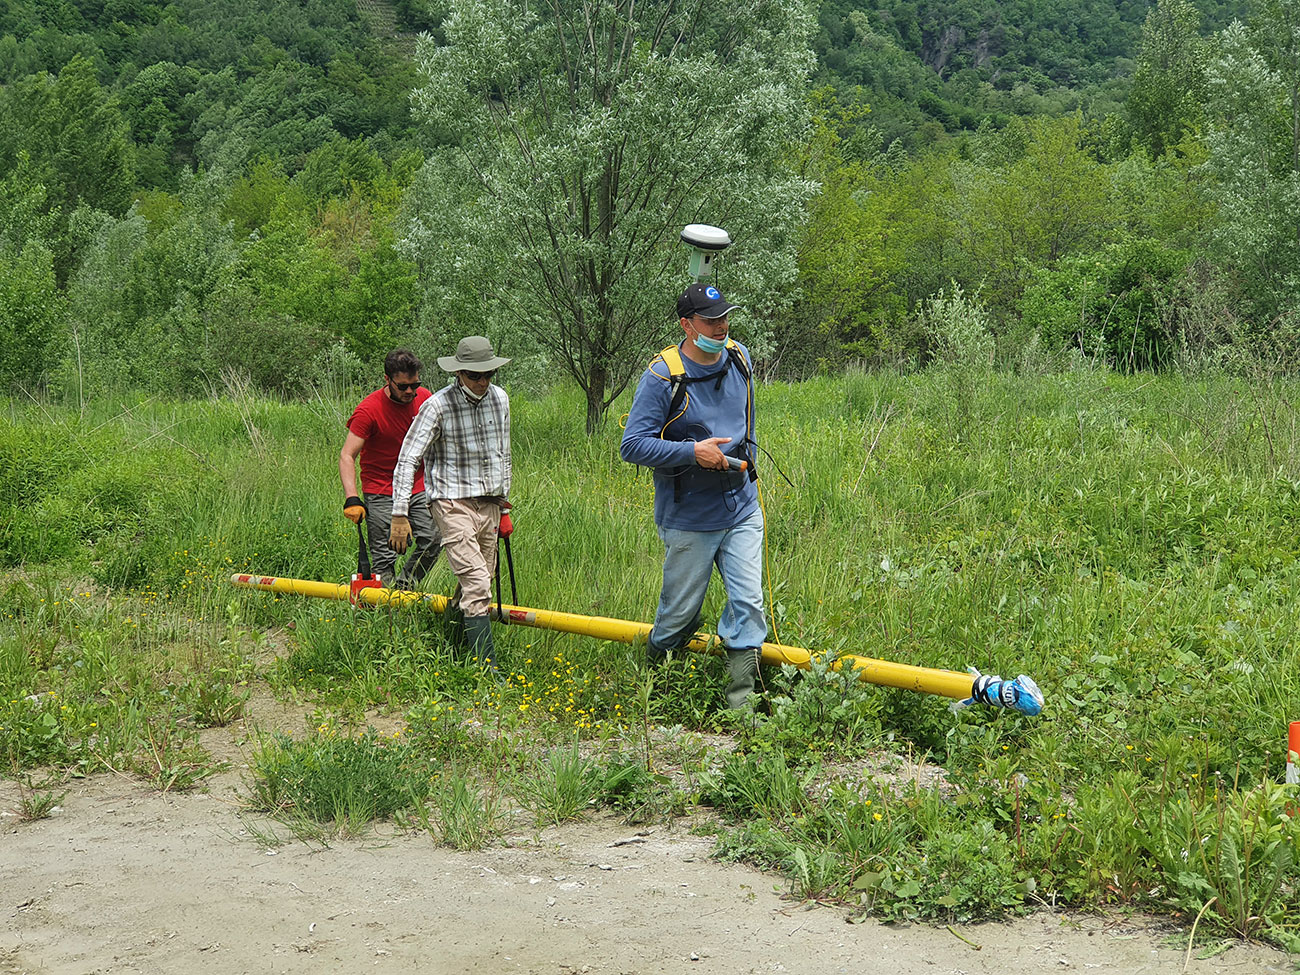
(1129, 542)
(347, 781)
(468, 815)
(559, 785)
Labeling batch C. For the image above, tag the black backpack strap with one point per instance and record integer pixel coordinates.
(736, 357)
(679, 400)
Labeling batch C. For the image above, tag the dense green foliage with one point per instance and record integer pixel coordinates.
(1130, 542)
(204, 194)
(944, 65)
(215, 82)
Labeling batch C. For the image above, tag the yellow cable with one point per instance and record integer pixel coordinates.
(767, 565)
(686, 401)
(758, 483)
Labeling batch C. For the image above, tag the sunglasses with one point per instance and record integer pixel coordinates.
(712, 322)
(406, 387)
(479, 376)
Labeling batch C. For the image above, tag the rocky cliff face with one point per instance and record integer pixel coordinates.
(939, 47)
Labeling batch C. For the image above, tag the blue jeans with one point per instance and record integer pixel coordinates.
(689, 558)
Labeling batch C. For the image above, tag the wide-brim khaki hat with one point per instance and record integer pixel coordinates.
(473, 353)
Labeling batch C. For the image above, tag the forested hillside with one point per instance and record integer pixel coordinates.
(931, 68)
(208, 187)
(216, 82)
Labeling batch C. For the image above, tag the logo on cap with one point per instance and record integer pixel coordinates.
(713, 292)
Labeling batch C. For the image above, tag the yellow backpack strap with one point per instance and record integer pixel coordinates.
(671, 357)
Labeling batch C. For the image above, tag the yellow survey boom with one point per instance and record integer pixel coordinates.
(947, 683)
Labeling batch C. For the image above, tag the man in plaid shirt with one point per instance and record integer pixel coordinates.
(462, 433)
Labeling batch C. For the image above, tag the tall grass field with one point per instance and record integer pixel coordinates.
(1129, 542)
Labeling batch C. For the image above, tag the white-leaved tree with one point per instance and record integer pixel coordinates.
(1254, 158)
(571, 140)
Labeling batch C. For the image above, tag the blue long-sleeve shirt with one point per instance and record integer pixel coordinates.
(688, 496)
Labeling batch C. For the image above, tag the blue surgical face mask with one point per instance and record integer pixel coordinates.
(708, 345)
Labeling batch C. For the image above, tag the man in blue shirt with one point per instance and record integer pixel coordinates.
(693, 411)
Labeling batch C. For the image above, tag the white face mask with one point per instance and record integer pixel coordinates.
(470, 394)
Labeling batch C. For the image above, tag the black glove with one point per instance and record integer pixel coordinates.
(354, 509)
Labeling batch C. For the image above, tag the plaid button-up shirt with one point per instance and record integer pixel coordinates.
(465, 447)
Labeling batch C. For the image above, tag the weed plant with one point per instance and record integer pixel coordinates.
(1130, 542)
(461, 813)
(36, 801)
(823, 712)
(329, 778)
(559, 785)
(643, 796)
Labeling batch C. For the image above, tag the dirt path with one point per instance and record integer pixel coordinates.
(123, 879)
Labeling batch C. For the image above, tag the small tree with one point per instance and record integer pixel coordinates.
(577, 137)
(1168, 95)
(1254, 160)
(32, 310)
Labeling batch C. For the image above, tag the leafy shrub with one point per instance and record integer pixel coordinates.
(1109, 301)
(1235, 854)
(32, 313)
(826, 712)
(687, 690)
(32, 734)
(627, 785)
(959, 328)
(956, 874)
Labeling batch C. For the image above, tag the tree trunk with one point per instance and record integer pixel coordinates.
(596, 382)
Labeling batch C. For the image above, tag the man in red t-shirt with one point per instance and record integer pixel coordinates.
(375, 433)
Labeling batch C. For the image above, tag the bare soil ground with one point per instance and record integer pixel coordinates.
(124, 879)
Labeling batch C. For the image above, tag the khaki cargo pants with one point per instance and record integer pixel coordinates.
(468, 527)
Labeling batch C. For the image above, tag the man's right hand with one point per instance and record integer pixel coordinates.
(707, 453)
(399, 535)
(354, 509)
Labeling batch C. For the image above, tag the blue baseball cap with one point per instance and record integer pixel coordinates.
(703, 300)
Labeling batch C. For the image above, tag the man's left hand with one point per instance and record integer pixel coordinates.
(399, 534)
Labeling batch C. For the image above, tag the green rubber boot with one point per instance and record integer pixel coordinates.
(742, 666)
(478, 631)
(453, 626)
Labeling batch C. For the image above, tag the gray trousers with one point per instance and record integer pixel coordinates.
(428, 543)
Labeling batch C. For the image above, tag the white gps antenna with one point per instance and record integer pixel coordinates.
(705, 243)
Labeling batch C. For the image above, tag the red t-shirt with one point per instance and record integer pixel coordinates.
(382, 424)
